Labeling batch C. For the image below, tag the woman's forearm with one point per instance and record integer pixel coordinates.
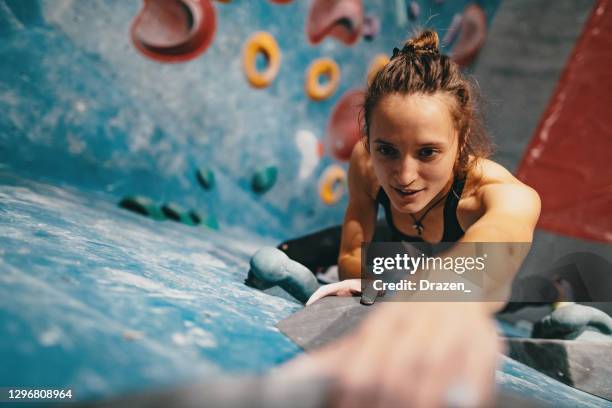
(349, 267)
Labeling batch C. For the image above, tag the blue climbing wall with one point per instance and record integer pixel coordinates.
(82, 107)
(102, 300)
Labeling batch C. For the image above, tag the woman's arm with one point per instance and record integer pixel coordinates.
(510, 213)
(360, 217)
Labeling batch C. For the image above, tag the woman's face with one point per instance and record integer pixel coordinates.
(413, 148)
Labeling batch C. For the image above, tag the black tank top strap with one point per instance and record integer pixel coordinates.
(452, 228)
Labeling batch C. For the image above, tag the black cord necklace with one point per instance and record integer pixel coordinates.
(418, 224)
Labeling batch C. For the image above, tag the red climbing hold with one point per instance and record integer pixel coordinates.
(341, 19)
(472, 35)
(174, 30)
(343, 130)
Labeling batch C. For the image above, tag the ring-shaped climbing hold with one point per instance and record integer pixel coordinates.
(261, 43)
(332, 184)
(322, 67)
(376, 65)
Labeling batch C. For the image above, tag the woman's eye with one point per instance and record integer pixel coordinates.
(428, 152)
(386, 150)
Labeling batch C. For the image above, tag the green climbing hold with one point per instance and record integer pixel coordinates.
(206, 178)
(264, 179)
(142, 205)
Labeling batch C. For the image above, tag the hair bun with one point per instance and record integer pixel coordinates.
(426, 40)
(425, 43)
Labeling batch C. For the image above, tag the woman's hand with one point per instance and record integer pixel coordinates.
(415, 354)
(348, 287)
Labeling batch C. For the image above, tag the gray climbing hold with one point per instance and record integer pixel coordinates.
(264, 179)
(272, 267)
(142, 205)
(574, 321)
(206, 178)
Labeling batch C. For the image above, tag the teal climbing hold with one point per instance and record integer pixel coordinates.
(264, 179)
(142, 205)
(206, 178)
(271, 267)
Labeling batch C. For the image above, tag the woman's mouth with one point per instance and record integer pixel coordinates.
(407, 192)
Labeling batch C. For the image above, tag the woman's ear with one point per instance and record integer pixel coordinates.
(366, 143)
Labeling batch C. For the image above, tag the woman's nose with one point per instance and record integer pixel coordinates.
(407, 171)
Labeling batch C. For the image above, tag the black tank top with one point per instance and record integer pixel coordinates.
(452, 229)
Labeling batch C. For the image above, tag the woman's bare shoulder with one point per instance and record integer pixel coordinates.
(488, 176)
(361, 173)
(485, 172)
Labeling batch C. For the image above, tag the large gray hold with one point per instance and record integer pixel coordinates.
(575, 322)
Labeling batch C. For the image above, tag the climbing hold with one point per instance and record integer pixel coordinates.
(323, 68)
(142, 205)
(340, 19)
(308, 145)
(264, 179)
(175, 213)
(472, 35)
(320, 149)
(174, 30)
(452, 31)
(414, 10)
(261, 44)
(281, 1)
(272, 267)
(371, 27)
(573, 321)
(376, 65)
(172, 211)
(206, 178)
(332, 184)
(195, 217)
(343, 130)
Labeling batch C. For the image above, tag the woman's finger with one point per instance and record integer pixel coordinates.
(347, 287)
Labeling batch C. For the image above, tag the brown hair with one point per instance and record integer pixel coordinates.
(420, 68)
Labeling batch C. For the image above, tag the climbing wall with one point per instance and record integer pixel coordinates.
(126, 98)
(234, 119)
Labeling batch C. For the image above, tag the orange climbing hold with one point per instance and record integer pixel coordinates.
(332, 184)
(376, 65)
(319, 69)
(261, 43)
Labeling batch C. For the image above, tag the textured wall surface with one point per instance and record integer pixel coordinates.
(104, 301)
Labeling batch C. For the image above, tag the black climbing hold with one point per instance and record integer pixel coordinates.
(195, 217)
(142, 205)
(172, 211)
(206, 178)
